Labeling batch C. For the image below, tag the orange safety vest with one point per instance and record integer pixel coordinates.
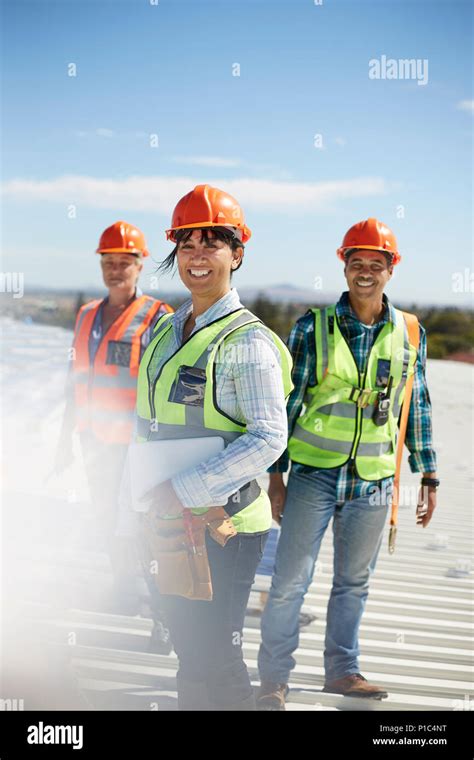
(105, 389)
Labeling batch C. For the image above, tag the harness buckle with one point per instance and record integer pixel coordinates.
(391, 539)
(351, 396)
(364, 398)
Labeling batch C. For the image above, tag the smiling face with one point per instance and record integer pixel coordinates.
(205, 264)
(367, 273)
(120, 270)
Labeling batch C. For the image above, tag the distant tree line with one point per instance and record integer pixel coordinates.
(450, 330)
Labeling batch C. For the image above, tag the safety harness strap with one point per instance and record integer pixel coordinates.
(413, 328)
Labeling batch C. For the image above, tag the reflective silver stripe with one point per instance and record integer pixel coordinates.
(143, 427)
(83, 314)
(406, 350)
(368, 411)
(158, 431)
(339, 409)
(163, 324)
(328, 444)
(137, 320)
(109, 415)
(374, 449)
(246, 317)
(324, 340)
(122, 380)
(406, 362)
(194, 415)
(396, 403)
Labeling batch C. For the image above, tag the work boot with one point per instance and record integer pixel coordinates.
(355, 685)
(271, 696)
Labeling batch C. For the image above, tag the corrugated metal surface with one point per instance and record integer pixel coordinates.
(416, 634)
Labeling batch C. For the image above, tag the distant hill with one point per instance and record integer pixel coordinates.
(279, 293)
(286, 293)
(282, 293)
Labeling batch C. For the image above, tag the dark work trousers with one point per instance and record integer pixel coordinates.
(207, 636)
(104, 467)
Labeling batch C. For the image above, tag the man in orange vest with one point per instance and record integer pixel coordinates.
(110, 337)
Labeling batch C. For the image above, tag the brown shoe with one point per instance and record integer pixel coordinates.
(355, 685)
(271, 696)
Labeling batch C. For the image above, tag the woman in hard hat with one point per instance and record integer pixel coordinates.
(110, 336)
(213, 368)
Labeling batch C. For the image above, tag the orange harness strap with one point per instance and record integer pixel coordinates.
(413, 328)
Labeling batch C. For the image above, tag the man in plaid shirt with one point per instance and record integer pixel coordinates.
(326, 479)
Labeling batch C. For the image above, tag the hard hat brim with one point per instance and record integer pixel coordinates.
(170, 234)
(123, 250)
(396, 258)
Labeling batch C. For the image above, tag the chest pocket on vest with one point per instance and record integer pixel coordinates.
(119, 352)
(189, 386)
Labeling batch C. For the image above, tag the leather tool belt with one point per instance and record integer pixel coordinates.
(176, 550)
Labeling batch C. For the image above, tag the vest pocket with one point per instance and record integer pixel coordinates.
(189, 386)
(119, 352)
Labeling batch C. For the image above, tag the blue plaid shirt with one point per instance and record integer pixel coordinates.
(361, 338)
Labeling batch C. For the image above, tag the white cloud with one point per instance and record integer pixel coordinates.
(105, 132)
(159, 194)
(100, 132)
(207, 161)
(466, 105)
(341, 141)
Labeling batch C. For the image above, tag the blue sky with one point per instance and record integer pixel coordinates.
(391, 148)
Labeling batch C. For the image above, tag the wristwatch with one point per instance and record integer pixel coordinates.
(430, 482)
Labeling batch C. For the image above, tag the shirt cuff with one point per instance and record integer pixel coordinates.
(192, 491)
(422, 461)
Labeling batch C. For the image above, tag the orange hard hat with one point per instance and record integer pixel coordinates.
(122, 237)
(207, 206)
(370, 235)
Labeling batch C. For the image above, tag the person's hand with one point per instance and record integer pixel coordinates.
(277, 494)
(426, 505)
(162, 501)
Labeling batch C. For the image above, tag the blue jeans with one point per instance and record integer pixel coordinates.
(357, 529)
